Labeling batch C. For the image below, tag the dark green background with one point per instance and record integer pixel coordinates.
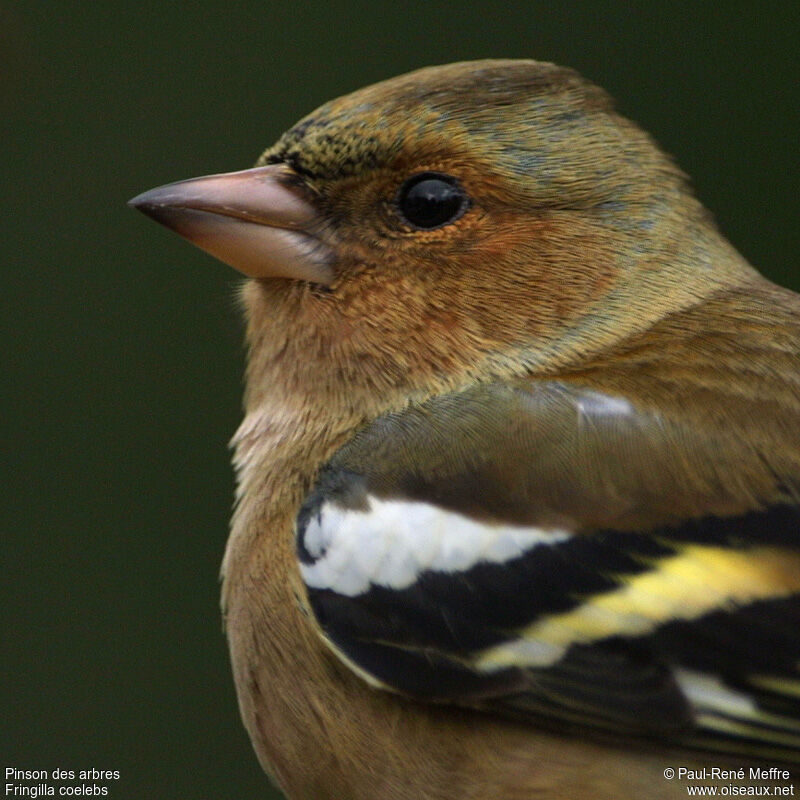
(123, 342)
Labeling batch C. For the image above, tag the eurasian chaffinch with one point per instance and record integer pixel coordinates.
(518, 477)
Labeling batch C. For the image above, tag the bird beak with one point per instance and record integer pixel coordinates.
(258, 220)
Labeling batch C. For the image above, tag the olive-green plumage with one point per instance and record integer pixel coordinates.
(579, 354)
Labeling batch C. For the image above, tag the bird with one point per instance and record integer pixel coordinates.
(518, 479)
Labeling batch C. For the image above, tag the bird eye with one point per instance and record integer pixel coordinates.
(431, 200)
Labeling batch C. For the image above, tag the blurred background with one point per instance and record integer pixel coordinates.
(123, 342)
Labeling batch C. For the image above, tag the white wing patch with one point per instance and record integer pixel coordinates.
(708, 694)
(721, 708)
(392, 542)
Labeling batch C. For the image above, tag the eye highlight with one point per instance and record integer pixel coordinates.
(431, 200)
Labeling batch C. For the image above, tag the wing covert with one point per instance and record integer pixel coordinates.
(547, 551)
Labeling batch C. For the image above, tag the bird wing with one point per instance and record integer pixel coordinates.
(557, 552)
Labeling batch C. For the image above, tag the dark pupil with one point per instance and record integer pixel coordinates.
(430, 202)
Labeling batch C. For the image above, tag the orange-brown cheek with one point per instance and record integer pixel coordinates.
(533, 277)
(582, 264)
(455, 294)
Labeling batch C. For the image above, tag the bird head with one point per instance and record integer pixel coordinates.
(459, 222)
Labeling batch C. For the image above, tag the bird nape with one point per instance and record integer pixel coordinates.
(519, 474)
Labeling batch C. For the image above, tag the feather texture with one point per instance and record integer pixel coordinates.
(517, 503)
(442, 576)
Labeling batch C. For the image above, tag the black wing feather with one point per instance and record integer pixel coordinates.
(634, 491)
